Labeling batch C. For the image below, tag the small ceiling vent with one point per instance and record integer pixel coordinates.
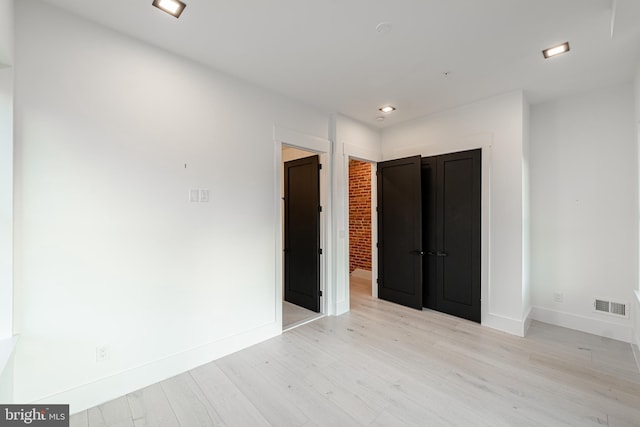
(613, 308)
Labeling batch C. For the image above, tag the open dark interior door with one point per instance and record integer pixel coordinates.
(302, 232)
(400, 232)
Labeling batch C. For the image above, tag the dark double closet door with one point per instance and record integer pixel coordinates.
(429, 232)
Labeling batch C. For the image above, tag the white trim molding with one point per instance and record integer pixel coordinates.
(589, 325)
(361, 153)
(286, 137)
(301, 140)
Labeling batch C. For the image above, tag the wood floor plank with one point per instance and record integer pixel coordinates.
(189, 404)
(79, 419)
(233, 407)
(255, 381)
(382, 364)
(113, 413)
(385, 419)
(151, 408)
(300, 394)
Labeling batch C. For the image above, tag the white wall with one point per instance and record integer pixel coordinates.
(526, 213)
(7, 343)
(495, 125)
(108, 251)
(351, 139)
(6, 32)
(637, 129)
(584, 199)
(6, 168)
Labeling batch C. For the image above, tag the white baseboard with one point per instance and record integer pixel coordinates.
(584, 324)
(506, 324)
(361, 274)
(109, 388)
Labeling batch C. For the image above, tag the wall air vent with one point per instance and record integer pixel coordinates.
(614, 308)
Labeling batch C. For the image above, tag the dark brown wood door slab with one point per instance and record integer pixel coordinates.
(302, 233)
(457, 234)
(399, 232)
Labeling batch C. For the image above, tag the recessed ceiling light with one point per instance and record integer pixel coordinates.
(172, 7)
(556, 50)
(387, 108)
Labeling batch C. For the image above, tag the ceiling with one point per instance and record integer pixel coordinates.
(437, 54)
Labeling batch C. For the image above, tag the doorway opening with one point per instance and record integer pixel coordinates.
(301, 237)
(362, 239)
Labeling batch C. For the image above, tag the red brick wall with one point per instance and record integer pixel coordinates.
(359, 215)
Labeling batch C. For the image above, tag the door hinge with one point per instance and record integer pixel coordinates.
(378, 281)
(319, 166)
(377, 244)
(319, 293)
(319, 208)
(320, 251)
(377, 208)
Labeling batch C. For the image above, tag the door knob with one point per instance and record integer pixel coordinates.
(418, 252)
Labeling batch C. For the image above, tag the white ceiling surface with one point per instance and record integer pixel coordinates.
(328, 53)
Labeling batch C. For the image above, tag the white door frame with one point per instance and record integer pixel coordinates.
(373, 157)
(290, 138)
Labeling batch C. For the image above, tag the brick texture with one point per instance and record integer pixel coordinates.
(359, 215)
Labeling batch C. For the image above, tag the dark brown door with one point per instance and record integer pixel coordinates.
(302, 233)
(429, 242)
(451, 183)
(399, 232)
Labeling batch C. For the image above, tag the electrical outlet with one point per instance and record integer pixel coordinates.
(204, 195)
(194, 195)
(558, 297)
(102, 353)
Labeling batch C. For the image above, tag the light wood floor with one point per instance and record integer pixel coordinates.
(386, 365)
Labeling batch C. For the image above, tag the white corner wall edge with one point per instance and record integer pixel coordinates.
(584, 324)
(342, 307)
(105, 389)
